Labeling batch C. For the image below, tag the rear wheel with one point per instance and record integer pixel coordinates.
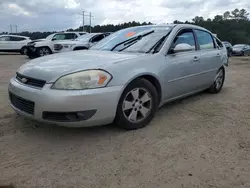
(218, 82)
(137, 105)
(42, 51)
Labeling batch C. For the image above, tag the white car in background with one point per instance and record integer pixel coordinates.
(46, 47)
(13, 43)
(81, 43)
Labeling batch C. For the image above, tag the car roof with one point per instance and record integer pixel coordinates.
(15, 36)
(176, 25)
(71, 32)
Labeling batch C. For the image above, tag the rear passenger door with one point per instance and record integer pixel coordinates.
(210, 57)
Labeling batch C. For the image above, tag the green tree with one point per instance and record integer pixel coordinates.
(218, 18)
(198, 19)
(226, 15)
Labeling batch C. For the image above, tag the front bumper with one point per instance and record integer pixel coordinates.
(103, 100)
(237, 52)
(63, 50)
(32, 52)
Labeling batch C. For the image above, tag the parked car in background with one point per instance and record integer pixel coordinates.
(13, 43)
(81, 43)
(229, 48)
(124, 78)
(46, 47)
(25, 48)
(241, 49)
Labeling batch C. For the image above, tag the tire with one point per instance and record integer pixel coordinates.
(244, 54)
(220, 78)
(125, 118)
(23, 51)
(43, 51)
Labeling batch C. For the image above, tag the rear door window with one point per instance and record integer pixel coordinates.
(17, 38)
(205, 40)
(69, 36)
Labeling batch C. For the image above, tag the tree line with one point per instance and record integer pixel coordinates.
(231, 26)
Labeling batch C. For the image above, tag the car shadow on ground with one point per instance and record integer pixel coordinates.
(3, 53)
(34, 127)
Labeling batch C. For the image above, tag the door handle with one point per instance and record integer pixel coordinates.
(196, 58)
(218, 55)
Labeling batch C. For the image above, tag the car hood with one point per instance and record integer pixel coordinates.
(51, 67)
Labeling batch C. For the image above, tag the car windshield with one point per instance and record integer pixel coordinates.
(86, 37)
(239, 46)
(50, 36)
(135, 39)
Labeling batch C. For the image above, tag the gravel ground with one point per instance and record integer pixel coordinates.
(200, 142)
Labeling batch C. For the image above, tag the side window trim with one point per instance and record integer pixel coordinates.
(177, 33)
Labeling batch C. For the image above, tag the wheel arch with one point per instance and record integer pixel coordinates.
(152, 79)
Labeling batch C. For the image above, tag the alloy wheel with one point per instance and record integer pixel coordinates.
(44, 51)
(137, 105)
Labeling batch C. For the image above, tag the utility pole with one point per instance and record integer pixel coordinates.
(90, 22)
(10, 28)
(16, 27)
(83, 19)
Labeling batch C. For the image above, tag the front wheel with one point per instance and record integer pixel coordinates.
(43, 51)
(137, 105)
(24, 50)
(218, 82)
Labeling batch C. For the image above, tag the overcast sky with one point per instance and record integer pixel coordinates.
(55, 15)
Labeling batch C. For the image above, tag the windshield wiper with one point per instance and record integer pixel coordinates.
(131, 40)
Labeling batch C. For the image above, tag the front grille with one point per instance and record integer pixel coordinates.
(22, 104)
(58, 47)
(30, 81)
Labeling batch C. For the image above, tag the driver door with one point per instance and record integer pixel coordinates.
(182, 67)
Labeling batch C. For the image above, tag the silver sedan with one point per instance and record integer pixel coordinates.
(123, 79)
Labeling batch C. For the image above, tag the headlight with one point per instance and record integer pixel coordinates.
(83, 80)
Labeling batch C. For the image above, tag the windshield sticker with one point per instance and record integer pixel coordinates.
(130, 34)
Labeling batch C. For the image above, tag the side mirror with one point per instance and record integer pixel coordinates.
(53, 39)
(183, 47)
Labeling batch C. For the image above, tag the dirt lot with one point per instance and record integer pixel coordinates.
(202, 141)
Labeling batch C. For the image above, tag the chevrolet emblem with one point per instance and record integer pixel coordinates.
(24, 80)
